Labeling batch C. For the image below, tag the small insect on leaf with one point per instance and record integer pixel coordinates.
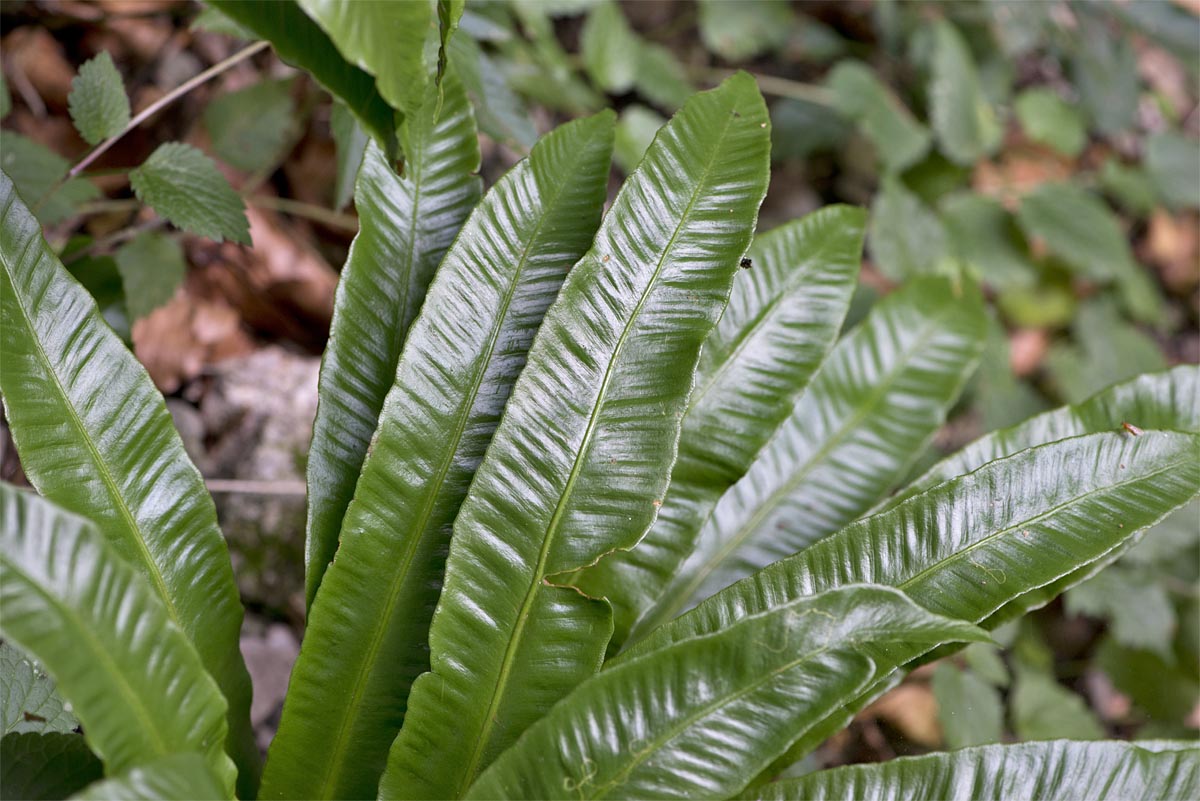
(746, 264)
(32, 718)
(1132, 429)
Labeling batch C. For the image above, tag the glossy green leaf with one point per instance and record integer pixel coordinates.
(1070, 771)
(1047, 118)
(129, 672)
(179, 777)
(740, 29)
(98, 104)
(252, 127)
(1156, 401)
(610, 49)
(406, 225)
(869, 412)
(152, 267)
(973, 544)
(985, 236)
(969, 708)
(366, 641)
(783, 316)
(95, 437)
(396, 42)
(35, 169)
(28, 700)
(907, 239)
(46, 765)
(899, 138)
(1173, 161)
(585, 446)
(301, 42)
(185, 186)
(963, 120)
(701, 718)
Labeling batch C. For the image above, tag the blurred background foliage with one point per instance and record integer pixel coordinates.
(1052, 149)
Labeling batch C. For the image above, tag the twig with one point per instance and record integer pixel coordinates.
(309, 211)
(774, 85)
(106, 242)
(237, 486)
(151, 110)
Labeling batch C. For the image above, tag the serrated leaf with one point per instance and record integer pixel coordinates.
(610, 49)
(28, 701)
(906, 237)
(35, 169)
(137, 685)
(899, 138)
(46, 765)
(1054, 771)
(396, 42)
(564, 482)
(737, 30)
(152, 267)
(178, 777)
(1049, 119)
(1173, 161)
(969, 708)
(702, 717)
(250, 128)
(301, 42)
(98, 104)
(963, 120)
(128, 472)
(370, 619)
(406, 225)
(783, 316)
(986, 237)
(884, 390)
(185, 186)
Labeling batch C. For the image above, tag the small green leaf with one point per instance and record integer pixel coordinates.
(28, 701)
(46, 765)
(1129, 185)
(251, 127)
(661, 79)
(1173, 161)
(34, 169)
(1049, 119)
(906, 239)
(214, 21)
(986, 237)
(984, 659)
(152, 267)
(610, 49)
(635, 131)
(963, 119)
(351, 142)
(1161, 688)
(1104, 68)
(899, 138)
(737, 30)
(1107, 350)
(1043, 709)
(1139, 610)
(969, 708)
(185, 186)
(98, 103)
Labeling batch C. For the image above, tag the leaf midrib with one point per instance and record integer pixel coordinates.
(400, 574)
(548, 539)
(149, 566)
(680, 598)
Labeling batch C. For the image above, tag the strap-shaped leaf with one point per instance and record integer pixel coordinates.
(301, 42)
(405, 227)
(131, 675)
(970, 545)
(1169, 401)
(701, 718)
(783, 316)
(582, 456)
(95, 437)
(179, 777)
(1058, 769)
(878, 399)
(366, 641)
(398, 43)
(51, 764)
